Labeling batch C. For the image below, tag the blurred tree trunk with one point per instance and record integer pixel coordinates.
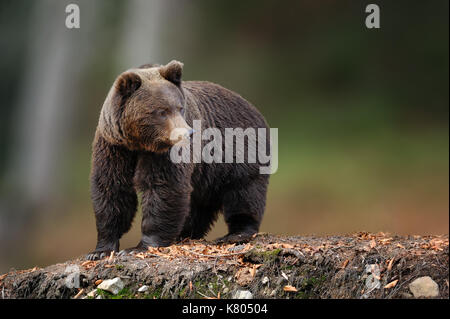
(55, 66)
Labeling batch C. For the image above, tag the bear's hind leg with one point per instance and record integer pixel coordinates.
(244, 209)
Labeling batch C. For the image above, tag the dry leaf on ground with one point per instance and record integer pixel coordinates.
(290, 288)
(391, 284)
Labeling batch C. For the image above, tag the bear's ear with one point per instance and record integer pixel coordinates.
(127, 83)
(172, 72)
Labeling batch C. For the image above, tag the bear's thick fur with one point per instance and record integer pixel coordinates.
(131, 154)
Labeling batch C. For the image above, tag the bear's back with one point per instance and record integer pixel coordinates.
(223, 108)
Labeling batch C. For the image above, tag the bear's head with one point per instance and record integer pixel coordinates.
(145, 109)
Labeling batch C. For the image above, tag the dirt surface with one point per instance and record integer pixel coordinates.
(362, 265)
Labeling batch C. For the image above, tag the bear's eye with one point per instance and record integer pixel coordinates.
(162, 113)
(182, 110)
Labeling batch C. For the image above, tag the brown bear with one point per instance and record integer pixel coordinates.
(179, 200)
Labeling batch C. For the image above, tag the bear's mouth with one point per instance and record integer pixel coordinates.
(159, 146)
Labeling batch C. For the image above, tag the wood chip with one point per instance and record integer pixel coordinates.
(79, 294)
(290, 288)
(391, 284)
(391, 262)
(98, 282)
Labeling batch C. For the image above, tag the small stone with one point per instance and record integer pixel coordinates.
(92, 294)
(265, 280)
(73, 279)
(112, 285)
(144, 288)
(424, 287)
(372, 283)
(373, 279)
(243, 294)
(225, 290)
(71, 269)
(99, 297)
(373, 269)
(273, 293)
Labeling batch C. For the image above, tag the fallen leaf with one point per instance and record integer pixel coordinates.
(190, 285)
(290, 288)
(391, 284)
(89, 264)
(244, 276)
(386, 241)
(345, 264)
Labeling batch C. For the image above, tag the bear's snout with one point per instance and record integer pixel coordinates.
(180, 133)
(179, 130)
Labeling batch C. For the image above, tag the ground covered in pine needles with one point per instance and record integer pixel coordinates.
(361, 265)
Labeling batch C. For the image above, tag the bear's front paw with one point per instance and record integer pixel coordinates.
(103, 250)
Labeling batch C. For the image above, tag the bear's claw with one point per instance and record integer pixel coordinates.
(96, 255)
